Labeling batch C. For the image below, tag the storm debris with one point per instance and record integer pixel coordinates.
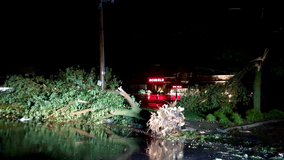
(167, 120)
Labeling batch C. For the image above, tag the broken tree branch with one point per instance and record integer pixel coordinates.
(125, 95)
(261, 58)
(69, 105)
(251, 65)
(83, 111)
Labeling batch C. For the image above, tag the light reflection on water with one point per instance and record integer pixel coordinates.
(32, 140)
(27, 140)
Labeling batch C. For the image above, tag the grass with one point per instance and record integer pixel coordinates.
(193, 116)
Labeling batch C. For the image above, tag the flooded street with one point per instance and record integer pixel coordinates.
(35, 140)
(31, 140)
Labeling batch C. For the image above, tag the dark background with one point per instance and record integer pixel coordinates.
(48, 36)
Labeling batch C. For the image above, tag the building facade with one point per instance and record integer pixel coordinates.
(179, 81)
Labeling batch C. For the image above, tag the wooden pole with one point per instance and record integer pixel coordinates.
(176, 87)
(102, 54)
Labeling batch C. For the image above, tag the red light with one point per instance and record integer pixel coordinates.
(177, 86)
(156, 79)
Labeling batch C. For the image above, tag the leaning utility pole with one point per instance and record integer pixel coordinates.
(102, 53)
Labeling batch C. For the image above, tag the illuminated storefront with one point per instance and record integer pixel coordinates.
(166, 85)
(175, 82)
(156, 84)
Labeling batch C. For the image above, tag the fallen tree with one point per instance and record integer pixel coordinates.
(221, 95)
(133, 112)
(70, 96)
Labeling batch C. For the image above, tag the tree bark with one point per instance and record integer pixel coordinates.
(257, 90)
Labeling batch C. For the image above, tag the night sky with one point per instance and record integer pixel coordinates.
(138, 34)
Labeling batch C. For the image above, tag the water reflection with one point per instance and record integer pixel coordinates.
(31, 140)
(164, 149)
(27, 140)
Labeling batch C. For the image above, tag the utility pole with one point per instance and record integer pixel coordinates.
(102, 53)
(176, 88)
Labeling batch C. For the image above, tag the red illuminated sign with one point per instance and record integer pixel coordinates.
(177, 86)
(156, 79)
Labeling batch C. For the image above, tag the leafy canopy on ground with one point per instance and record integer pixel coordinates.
(74, 89)
(200, 100)
(214, 104)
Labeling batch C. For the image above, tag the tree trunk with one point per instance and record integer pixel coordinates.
(257, 90)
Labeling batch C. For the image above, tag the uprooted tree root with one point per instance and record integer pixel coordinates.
(167, 120)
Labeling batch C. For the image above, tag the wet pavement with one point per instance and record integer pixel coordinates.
(202, 126)
(35, 140)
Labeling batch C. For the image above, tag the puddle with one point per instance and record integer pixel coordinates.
(65, 141)
(31, 140)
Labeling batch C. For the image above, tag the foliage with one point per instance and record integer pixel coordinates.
(267, 115)
(214, 96)
(218, 96)
(189, 134)
(111, 81)
(124, 120)
(198, 101)
(142, 91)
(223, 113)
(237, 118)
(191, 116)
(226, 110)
(253, 115)
(11, 111)
(222, 117)
(182, 136)
(273, 114)
(73, 89)
(211, 118)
